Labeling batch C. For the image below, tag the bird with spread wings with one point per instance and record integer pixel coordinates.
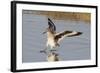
(54, 38)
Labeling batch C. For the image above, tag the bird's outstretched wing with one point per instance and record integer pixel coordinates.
(61, 35)
(51, 24)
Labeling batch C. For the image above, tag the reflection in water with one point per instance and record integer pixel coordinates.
(51, 56)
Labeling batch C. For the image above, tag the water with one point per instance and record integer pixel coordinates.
(71, 48)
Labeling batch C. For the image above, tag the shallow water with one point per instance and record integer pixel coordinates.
(71, 48)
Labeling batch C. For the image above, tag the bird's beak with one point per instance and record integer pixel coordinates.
(44, 32)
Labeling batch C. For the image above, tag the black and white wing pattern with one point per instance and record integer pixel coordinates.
(62, 35)
(51, 25)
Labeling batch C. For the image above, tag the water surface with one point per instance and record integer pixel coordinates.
(71, 48)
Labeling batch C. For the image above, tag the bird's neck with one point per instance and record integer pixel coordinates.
(50, 35)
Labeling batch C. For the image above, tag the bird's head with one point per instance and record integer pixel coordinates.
(48, 30)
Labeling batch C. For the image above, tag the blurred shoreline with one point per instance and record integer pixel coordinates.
(76, 16)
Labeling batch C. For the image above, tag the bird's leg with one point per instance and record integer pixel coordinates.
(43, 51)
(53, 49)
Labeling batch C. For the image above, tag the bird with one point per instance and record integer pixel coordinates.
(54, 38)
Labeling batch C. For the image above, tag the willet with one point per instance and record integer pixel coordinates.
(54, 38)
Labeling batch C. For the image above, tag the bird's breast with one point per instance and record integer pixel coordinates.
(51, 41)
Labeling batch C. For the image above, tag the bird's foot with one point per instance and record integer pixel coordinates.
(42, 51)
(53, 50)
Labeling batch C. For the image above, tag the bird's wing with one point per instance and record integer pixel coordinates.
(62, 35)
(51, 24)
